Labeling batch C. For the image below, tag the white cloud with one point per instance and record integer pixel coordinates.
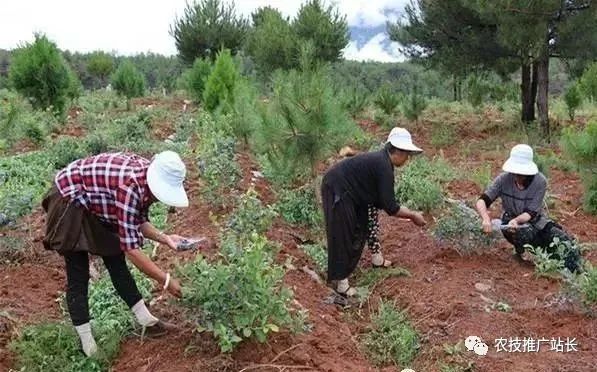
(373, 50)
(133, 26)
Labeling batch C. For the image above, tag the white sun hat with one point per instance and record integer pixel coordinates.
(401, 139)
(165, 176)
(521, 161)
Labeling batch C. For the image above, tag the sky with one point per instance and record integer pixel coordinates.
(133, 26)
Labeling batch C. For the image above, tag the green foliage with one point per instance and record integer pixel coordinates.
(128, 81)
(243, 116)
(272, 43)
(392, 339)
(573, 99)
(39, 72)
(477, 89)
(369, 278)
(250, 215)
(239, 297)
(220, 85)
(354, 100)
(56, 346)
(546, 264)
(24, 179)
(387, 100)
(324, 27)
(582, 147)
(217, 159)
(481, 176)
(443, 135)
(414, 104)
(303, 124)
(588, 82)
(66, 150)
(12, 249)
(196, 78)
(461, 228)
(206, 27)
(318, 254)
(419, 185)
(100, 65)
(53, 347)
(299, 207)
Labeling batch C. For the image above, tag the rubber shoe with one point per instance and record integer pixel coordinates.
(159, 329)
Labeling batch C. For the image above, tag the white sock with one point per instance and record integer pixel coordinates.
(143, 315)
(343, 285)
(377, 259)
(87, 340)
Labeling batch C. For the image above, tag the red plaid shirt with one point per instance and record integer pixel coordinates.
(112, 187)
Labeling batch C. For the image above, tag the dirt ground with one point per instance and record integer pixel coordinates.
(440, 296)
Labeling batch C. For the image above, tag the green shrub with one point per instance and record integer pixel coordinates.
(354, 100)
(443, 135)
(414, 104)
(12, 249)
(303, 124)
(66, 150)
(481, 176)
(220, 84)
(250, 215)
(216, 160)
(24, 179)
(53, 347)
(239, 297)
(588, 82)
(196, 78)
(243, 116)
(318, 254)
(128, 81)
(546, 263)
(419, 185)
(461, 228)
(39, 72)
(477, 90)
(100, 66)
(387, 100)
(299, 207)
(573, 99)
(581, 146)
(392, 339)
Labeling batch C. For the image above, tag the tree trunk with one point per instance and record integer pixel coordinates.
(455, 87)
(542, 95)
(528, 111)
(534, 87)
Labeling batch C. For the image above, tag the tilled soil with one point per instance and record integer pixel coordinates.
(439, 296)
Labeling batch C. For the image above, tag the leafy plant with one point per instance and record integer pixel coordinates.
(299, 207)
(481, 176)
(387, 100)
(240, 297)
(318, 254)
(588, 82)
(582, 147)
(582, 286)
(66, 150)
(546, 264)
(461, 228)
(250, 215)
(216, 159)
(443, 135)
(243, 116)
(392, 338)
(420, 183)
(573, 99)
(39, 72)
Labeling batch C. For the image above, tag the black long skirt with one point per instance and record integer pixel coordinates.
(346, 228)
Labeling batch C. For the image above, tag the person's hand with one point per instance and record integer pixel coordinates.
(172, 241)
(418, 219)
(513, 224)
(174, 288)
(487, 228)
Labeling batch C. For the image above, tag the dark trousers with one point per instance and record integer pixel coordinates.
(77, 275)
(544, 238)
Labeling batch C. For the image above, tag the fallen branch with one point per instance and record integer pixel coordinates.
(279, 367)
(285, 351)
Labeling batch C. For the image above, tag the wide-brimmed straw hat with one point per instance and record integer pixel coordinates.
(401, 139)
(165, 177)
(521, 161)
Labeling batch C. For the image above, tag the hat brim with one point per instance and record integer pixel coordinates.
(174, 196)
(529, 169)
(410, 147)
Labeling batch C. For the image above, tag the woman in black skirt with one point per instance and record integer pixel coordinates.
(352, 193)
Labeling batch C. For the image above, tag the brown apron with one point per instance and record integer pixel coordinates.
(72, 228)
